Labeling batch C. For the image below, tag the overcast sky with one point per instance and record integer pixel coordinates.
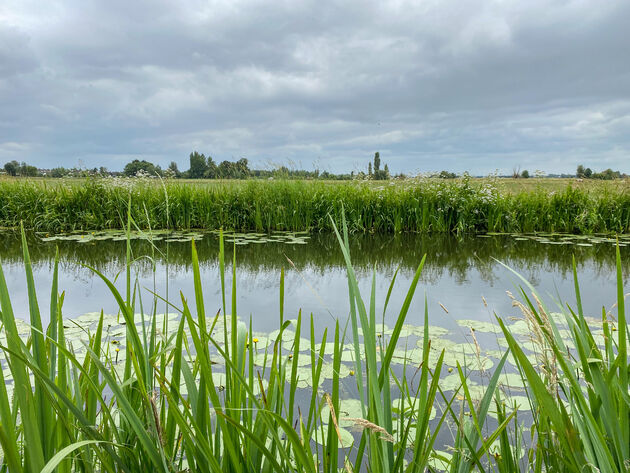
(438, 84)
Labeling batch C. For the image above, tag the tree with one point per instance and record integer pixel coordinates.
(242, 168)
(588, 172)
(525, 174)
(212, 170)
(27, 170)
(198, 165)
(607, 175)
(580, 171)
(173, 170)
(226, 170)
(370, 169)
(377, 161)
(136, 166)
(387, 176)
(59, 172)
(12, 168)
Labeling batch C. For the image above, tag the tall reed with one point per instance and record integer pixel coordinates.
(425, 206)
(581, 396)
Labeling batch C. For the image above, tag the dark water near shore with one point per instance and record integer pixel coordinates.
(459, 271)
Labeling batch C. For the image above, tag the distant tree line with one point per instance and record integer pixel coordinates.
(606, 175)
(205, 167)
(13, 168)
(202, 167)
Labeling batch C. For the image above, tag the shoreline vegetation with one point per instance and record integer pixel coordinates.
(206, 394)
(419, 205)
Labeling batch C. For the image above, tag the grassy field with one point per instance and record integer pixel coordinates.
(504, 184)
(414, 205)
(206, 394)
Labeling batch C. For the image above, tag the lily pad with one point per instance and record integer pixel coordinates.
(478, 325)
(320, 436)
(349, 410)
(440, 460)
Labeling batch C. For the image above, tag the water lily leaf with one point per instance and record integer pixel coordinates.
(435, 331)
(452, 381)
(511, 380)
(495, 449)
(321, 435)
(349, 410)
(405, 407)
(347, 356)
(405, 331)
(478, 325)
(438, 344)
(305, 377)
(328, 371)
(440, 460)
(520, 327)
(413, 356)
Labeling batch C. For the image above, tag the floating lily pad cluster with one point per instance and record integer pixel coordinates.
(472, 356)
(475, 358)
(288, 238)
(121, 235)
(567, 239)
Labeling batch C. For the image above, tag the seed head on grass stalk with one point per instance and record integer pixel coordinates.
(593, 429)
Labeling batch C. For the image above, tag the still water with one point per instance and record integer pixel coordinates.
(460, 274)
(463, 278)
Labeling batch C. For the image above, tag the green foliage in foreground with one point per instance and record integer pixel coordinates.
(462, 206)
(162, 409)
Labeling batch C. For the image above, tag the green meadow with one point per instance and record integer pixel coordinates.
(464, 205)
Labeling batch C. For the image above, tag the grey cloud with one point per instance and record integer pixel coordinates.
(459, 85)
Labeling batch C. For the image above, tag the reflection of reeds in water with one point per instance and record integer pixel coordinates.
(457, 257)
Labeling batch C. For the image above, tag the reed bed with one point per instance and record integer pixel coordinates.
(155, 401)
(414, 205)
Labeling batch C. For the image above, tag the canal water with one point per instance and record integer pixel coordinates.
(468, 276)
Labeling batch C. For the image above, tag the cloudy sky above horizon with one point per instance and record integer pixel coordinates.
(431, 84)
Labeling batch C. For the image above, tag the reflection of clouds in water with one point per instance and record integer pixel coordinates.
(264, 276)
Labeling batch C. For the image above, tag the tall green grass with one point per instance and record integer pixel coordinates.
(426, 206)
(197, 397)
(581, 397)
